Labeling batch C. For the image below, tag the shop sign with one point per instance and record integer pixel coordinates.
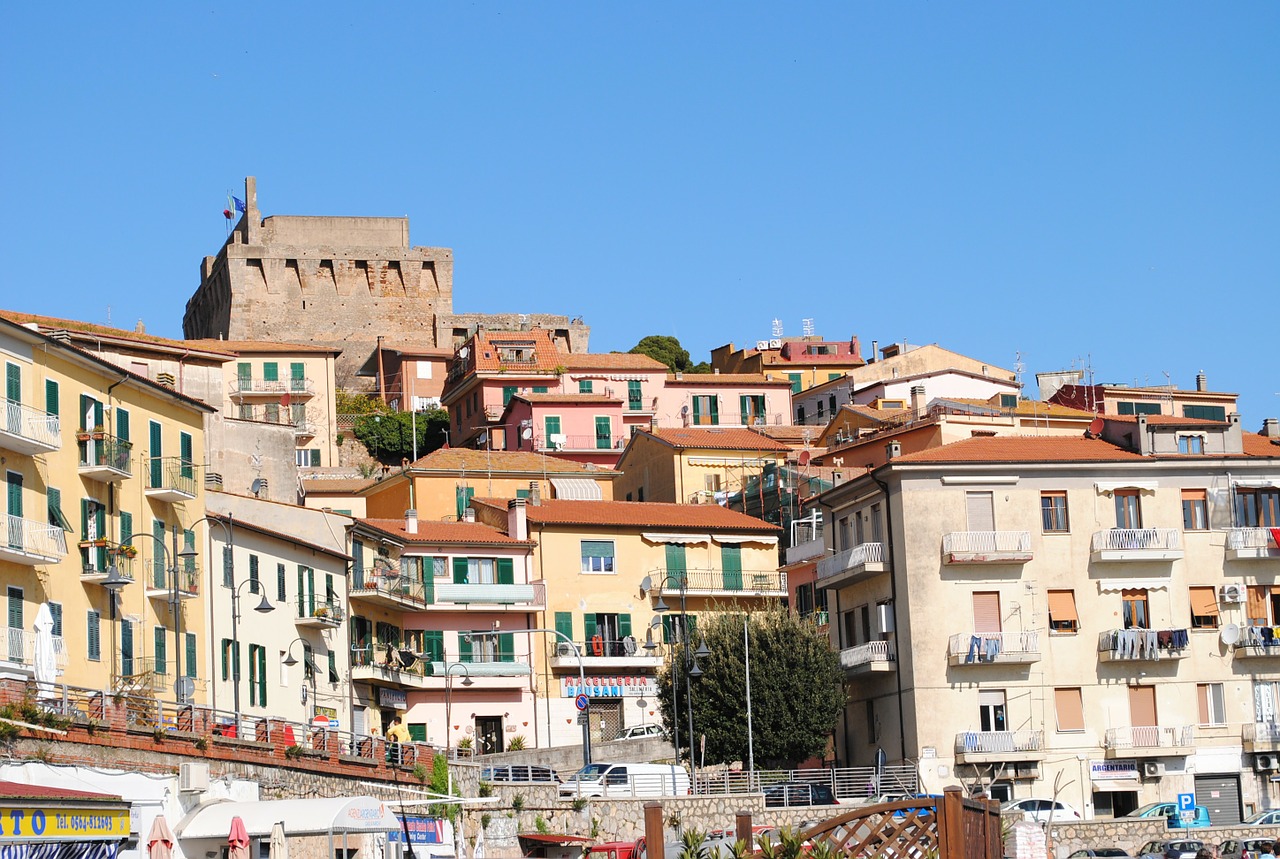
(1119, 768)
(422, 830)
(397, 699)
(610, 686)
(77, 824)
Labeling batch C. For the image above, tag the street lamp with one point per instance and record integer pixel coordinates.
(582, 685)
(692, 671)
(448, 699)
(289, 661)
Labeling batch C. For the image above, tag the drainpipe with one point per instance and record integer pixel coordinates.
(893, 595)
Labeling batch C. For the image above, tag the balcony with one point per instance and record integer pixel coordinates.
(609, 654)
(320, 615)
(580, 443)
(1261, 737)
(852, 565)
(805, 551)
(992, 648)
(485, 674)
(721, 582)
(531, 597)
(304, 429)
(1149, 741)
(1137, 544)
(28, 542)
(161, 584)
(1249, 544)
(980, 747)
(170, 478)
(986, 547)
(1141, 645)
(1257, 642)
(94, 568)
(387, 588)
(874, 657)
(243, 388)
(28, 431)
(105, 458)
(18, 647)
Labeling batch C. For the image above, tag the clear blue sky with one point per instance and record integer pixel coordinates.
(1068, 181)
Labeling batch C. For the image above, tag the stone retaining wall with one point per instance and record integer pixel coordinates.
(1132, 833)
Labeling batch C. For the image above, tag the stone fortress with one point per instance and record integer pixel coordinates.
(341, 282)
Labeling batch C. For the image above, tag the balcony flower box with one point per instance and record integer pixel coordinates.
(93, 544)
(128, 552)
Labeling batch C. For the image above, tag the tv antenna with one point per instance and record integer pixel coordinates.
(777, 328)
(807, 327)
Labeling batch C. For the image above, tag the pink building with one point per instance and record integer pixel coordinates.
(723, 399)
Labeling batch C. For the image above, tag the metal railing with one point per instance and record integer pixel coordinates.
(986, 542)
(101, 450)
(997, 742)
(852, 558)
(19, 648)
(172, 473)
(1119, 539)
(186, 579)
(1249, 538)
(1142, 643)
(626, 647)
(845, 782)
(29, 537)
(1261, 732)
(865, 654)
(991, 646)
(389, 584)
(1150, 737)
(241, 385)
(328, 610)
(32, 424)
(735, 581)
(584, 441)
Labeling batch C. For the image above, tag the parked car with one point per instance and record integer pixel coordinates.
(1247, 848)
(636, 731)
(1169, 811)
(1270, 817)
(519, 772)
(791, 793)
(1170, 849)
(1040, 810)
(1100, 853)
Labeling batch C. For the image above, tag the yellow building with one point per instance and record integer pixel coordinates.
(595, 558)
(692, 465)
(95, 457)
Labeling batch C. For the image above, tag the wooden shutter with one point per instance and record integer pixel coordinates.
(185, 453)
(1070, 709)
(464, 647)
(506, 571)
(158, 574)
(986, 611)
(433, 645)
(161, 655)
(1256, 607)
(745, 409)
(122, 424)
(13, 382)
(731, 567)
(51, 397)
(1204, 602)
(262, 676)
(1062, 610)
(460, 568)
(417, 732)
(676, 567)
(155, 452)
(588, 627)
(190, 669)
(86, 412)
(126, 647)
(126, 528)
(564, 624)
(94, 621)
(697, 411)
(981, 511)
(506, 647)
(715, 409)
(624, 625)
(270, 371)
(1142, 706)
(1202, 700)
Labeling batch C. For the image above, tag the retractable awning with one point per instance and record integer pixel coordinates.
(360, 814)
(576, 489)
(1116, 784)
(729, 539)
(654, 537)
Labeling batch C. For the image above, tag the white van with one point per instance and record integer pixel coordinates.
(626, 779)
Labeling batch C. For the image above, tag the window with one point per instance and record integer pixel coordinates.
(185, 452)
(1070, 709)
(980, 511)
(1062, 611)
(1257, 508)
(333, 667)
(1190, 444)
(508, 391)
(439, 567)
(800, 415)
(1258, 605)
(298, 376)
(1008, 401)
(537, 389)
(986, 611)
(597, 556)
(554, 438)
(584, 386)
(56, 516)
(1138, 408)
(604, 432)
(819, 415)
(298, 414)
(51, 396)
(797, 382)
(481, 571)
(1128, 510)
(831, 377)
(1204, 608)
(55, 609)
(244, 376)
(706, 410)
(873, 730)
(1195, 510)
(1053, 511)
(635, 395)
(94, 626)
(280, 590)
(1135, 608)
(258, 675)
(253, 574)
(122, 424)
(305, 458)
(271, 413)
(1213, 710)
(991, 710)
(270, 371)
(752, 408)
(711, 482)
(1206, 413)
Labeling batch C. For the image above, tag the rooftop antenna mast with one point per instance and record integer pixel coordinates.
(807, 327)
(777, 328)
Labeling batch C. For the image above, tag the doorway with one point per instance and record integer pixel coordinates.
(489, 734)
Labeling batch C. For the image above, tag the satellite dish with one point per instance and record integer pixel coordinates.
(256, 486)
(804, 457)
(1095, 426)
(464, 352)
(526, 433)
(1230, 633)
(483, 437)
(684, 411)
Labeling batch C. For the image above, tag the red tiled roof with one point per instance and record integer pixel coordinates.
(342, 486)
(642, 514)
(611, 361)
(568, 398)
(716, 438)
(1260, 445)
(53, 323)
(1165, 420)
(546, 357)
(454, 459)
(726, 379)
(236, 347)
(1015, 448)
(17, 790)
(444, 532)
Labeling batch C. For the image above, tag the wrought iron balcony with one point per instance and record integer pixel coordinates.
(18, 647)
(1139, 645)
(986, 547)
(184, 581)
(170, 478)
(1137, 544)
(1149, 741)
(1261, 737)
(870, 658)
(612, 653)
(987, 648)
(28, 431)
(244, 388)
(28, 542)
(324, 615)
(721, 582)
(104, 457)
(95, 562)
(1244, 544)
(852, 565)
(986, 746)
(585, 441)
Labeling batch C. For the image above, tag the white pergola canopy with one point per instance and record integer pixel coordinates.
(360, 814)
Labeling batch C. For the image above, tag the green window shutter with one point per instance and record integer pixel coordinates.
(15, 608)
(539, 389)
(506, 647)
(253, 676)
(743, 405)
(161, 667)
(228, 568)
(552, 424)
(831, 377)
(55, 609)
(523, 493)
(731, 567)
(333, 666)
(464, 647)
(185, 451)
(588, 627)
(357, 564)
(190, 670)
(584, 386)
(126, 528)
(235, 662)
(697, 410)
(13, 382)
(691, 623)
(311, 592)
(797, 382)
(635, 399)
(624, 625)
(329, 595)
(297, 372)
(156, 452)
(280, 587)
(253, 574)
(668, 630)
(14, 484)
(429, 582)
(508, 391)
(302, 592)
(417, 732)
(459, 571)
(126, 647)
(676, 567)
(51, 404)
(225, 650)
(564, 624)
(270, 371)
(715, 410)
(604, 433)
(122, 424)
(157, 556)
(506, 571)
(244, 375)
(54, 497)
(86, 412)
(94, 622)
(100, 519)
(433, 645)
(262, 676)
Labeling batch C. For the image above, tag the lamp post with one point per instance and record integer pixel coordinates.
(692, 671)
(448, 704)
(289, 661)
(582, 685)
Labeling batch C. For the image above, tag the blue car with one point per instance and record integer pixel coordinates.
(1173, 819)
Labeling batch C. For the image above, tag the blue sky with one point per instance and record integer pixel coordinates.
(1071, 182)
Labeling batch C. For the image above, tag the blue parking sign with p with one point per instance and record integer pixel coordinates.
(1186, 802)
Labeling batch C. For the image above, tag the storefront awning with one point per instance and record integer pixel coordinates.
(653, 537)
(1116, 784)
(299, 816)
(576, 489)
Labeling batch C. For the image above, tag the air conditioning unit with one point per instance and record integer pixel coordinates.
(1264, 763)
(1231, 593)
(194, 778)
(564, 649)
(1152, 769)
(775, 343)
(761, 345)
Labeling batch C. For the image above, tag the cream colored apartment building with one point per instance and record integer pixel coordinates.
(1098, 612)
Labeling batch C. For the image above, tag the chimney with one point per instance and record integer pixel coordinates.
(140, 328)
(875, 351)
(917, 400)
(1271, 427)
(469, 515)
(517, 519)
(411, 521)
(893, 450)
(535, 493)
(1202, 382)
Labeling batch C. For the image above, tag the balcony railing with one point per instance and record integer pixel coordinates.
(1249, 543)
(321, 614)
(1008, 743)
(1261, 736)
(580, 442)
(987, 547)
(95, 562)
(1137, 544)
(745, 582)
(105, 457)
(526, 597)
(185, 580)
(242, 386)
(1135, 645)
(805, 551)
(851, 564)
(304, 429)
(18, 647)
(27, 430)
(1150, 737)
(388, 588)
(602, 652)
(872, 656)
(170, 478)
(992, 647)
(26, 541)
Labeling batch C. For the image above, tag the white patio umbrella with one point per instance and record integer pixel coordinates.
(478, 851)
(46, 658)
(279, 844)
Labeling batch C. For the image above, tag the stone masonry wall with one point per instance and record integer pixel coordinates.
(1131, 833)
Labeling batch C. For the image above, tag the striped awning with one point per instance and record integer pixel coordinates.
(576, 489)
(729, 539)
(687, 539)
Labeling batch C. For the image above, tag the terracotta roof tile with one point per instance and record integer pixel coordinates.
(1165, 420)
(1260, 445)
(17, 790)
(545, 355)
(342, 486)
(236, 347)
(444, 532)
(717, 438)
(53, 323)
(611, 361)
(567, 398)
(726, 379)
(455, 459)
(1014, 448)
(642, 514)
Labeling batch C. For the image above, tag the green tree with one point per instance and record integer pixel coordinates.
(667, 349)
(388, 436)
(797, 689)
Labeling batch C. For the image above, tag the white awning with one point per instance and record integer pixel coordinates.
(1109, 486)
(1116, 784)
(1110, 586)
(576, 489)
(1257, 483)
(745, 538)
(676, 538)
(299, 816)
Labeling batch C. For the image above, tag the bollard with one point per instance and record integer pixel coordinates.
(743, 828)
(654, 837)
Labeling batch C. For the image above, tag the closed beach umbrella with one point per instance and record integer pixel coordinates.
(46, 659)
(279, 844)
(238, 840)
(160, 840)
